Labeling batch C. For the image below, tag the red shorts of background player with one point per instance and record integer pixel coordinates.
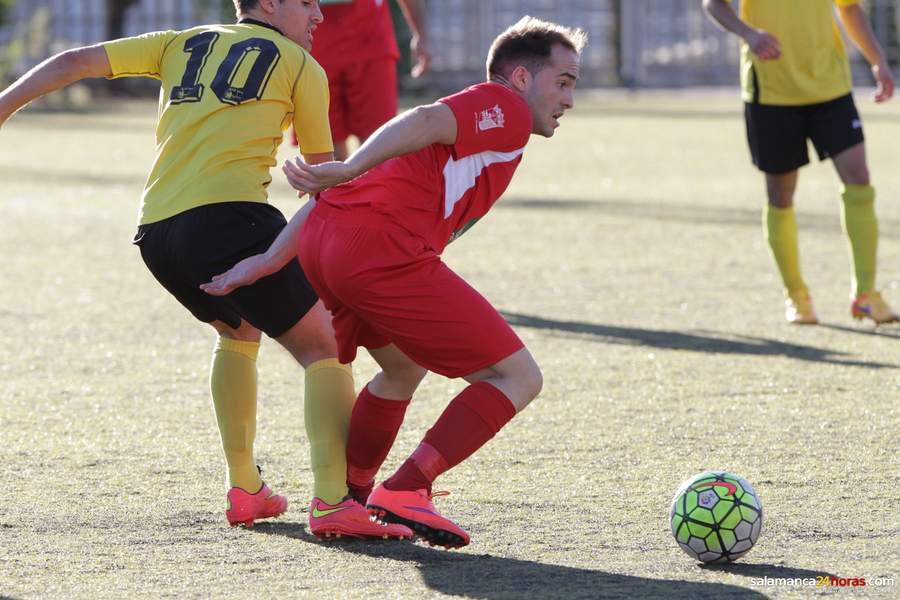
(383, 286)
(363, 96)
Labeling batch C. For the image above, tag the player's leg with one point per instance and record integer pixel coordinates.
(860, 224)
(232, 382)
(328, 400)
(837, 133)
(377, 417)
(858, 217)
(181, 252)
(467, 338)
(370, 97)
(472, 418)
(780, 228)
(328, 403)
(776, 136)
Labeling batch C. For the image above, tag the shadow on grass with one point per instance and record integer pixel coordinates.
(702, 341)
(673, 212)
(891, 331)
(490, 577)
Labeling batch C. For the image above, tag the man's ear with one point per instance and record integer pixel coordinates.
(520, 78)
(267, 6)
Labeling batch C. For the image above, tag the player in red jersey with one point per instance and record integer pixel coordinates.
(371, 248)
(356, 46)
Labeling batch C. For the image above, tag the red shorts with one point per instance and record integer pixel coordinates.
(383, 286)
(363, 96)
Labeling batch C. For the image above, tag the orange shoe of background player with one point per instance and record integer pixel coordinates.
(798, 309)
(872, 306)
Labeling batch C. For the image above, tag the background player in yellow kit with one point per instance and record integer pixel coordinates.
(228, 93)
(796, 83)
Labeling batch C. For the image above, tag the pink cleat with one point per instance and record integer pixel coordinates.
(415, 510)
(349, 518)
(244, 508)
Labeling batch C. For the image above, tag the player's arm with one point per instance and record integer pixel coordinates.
(857, 25)
(414, 12)
(761, 43)
(282, 250)
(53, 74)
(405, 133)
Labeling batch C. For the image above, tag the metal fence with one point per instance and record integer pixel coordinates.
(637, 43)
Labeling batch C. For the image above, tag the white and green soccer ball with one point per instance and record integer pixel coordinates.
(716, 517)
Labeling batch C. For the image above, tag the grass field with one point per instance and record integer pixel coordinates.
(628, 255)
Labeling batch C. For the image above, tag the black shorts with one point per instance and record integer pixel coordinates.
(188, 249)
(777, 134)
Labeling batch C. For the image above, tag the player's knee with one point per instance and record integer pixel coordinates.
(781, 198)
(535, 382)
(857, 175)
(308, 345)
(404, 374)
(530, 381)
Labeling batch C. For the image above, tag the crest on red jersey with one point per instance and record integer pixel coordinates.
(490, 118)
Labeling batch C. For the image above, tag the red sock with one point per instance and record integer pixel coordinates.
(468, 422)
(373, 429)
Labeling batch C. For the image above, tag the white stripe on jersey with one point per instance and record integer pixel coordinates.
(460, 175)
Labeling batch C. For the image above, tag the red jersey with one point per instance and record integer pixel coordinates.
(439, 191)
(354, 30)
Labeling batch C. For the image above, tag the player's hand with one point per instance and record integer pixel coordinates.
(315, 178)
(884, 82)
(422, 56)
(764, 44)
(243, 273)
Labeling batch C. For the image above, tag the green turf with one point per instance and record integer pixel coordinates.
(627, 253)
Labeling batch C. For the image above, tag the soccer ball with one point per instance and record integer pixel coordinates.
(716, 517)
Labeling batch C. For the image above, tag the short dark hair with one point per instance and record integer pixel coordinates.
(244, 5)
(241, 6)
(530, 43)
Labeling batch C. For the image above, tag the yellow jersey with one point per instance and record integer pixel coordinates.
(228, 94)
(813, 66)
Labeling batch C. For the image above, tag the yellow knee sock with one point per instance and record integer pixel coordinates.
(781, 232)
(328, 403)
(232, 382)
(861, 228)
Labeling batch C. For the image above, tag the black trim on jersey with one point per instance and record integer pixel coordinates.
(249, 21)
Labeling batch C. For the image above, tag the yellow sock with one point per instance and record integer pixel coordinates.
(781, 232)
(861, 228)
(328, 403)
(232, 382)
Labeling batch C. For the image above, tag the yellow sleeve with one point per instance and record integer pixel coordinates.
(138, 56)
(846, 2)
(311, 100)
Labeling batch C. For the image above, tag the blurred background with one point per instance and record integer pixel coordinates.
(634, 43)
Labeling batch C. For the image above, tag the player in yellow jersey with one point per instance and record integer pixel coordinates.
(228, 93)
(795, 77)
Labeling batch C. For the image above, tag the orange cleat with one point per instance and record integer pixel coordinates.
(350, 519)
(872, 306)
(798, 309)
(415, 510)
(244, 508)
